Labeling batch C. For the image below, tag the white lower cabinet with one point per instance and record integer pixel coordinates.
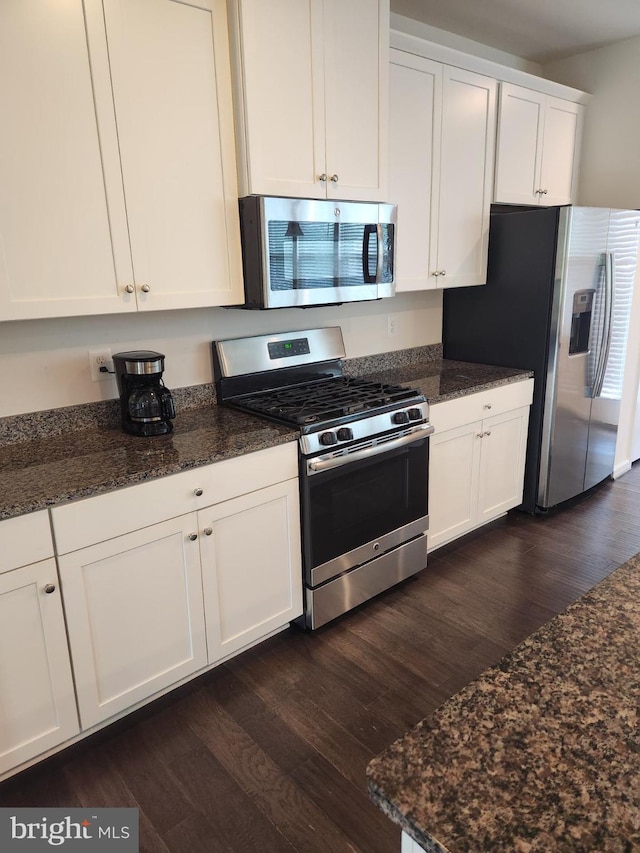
(152, 604)
(37, 702)
(251, 572)
(135, 616)
(477, 457)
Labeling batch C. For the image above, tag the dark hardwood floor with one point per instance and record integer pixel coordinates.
(268, 752)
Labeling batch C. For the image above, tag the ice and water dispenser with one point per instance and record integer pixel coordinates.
(581, 313)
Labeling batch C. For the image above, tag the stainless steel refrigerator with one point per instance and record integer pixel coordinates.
(557, 301)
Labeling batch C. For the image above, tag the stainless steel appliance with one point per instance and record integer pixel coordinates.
(301, 252)
(557, 301)
(146, 405)
(363, 451)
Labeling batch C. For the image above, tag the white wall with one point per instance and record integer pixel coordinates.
(610, 162)
(44, 364)
(404, 23)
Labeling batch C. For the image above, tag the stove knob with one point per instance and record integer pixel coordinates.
(415, 415)
(328, 438)
(399, 418)
(345, 434)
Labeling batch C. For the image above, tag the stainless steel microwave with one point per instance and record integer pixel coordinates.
(300, 252)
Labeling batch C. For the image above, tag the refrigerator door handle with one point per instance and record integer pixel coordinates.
(607, 325)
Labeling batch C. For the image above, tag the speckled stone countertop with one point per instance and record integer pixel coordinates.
(44, 472)
(542, 751)
(47, 458)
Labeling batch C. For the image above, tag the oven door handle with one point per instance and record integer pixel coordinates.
(317, 465)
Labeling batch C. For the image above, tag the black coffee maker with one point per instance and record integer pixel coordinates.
(146, 406)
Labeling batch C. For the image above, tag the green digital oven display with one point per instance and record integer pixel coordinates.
(287, 349)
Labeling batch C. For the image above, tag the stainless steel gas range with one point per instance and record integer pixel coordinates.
(364, 455)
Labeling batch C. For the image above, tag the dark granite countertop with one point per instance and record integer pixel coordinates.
(83, 458)
(542, 751)
(445, 379)
(48, 471)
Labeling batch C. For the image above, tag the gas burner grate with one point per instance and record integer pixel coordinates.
(325, 400)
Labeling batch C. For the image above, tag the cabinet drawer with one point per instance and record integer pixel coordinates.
(483, 404)
(82, 523)
(25, 539)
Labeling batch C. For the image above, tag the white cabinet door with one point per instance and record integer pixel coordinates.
(169, 65)
(503, 446)
(454, 470)
(538, 147)
(476, 467)
(311, 92)
(135, 616)
(519, 146)
(442, 140)
(356, 85)
(465, 178)
(37, 702)
(63, 230)
(251, 567)
(415, 113)
(560, 150)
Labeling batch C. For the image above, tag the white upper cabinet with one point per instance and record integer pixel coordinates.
(63, 234)
(312, 97)
(172, 92)
(117, 161)
(538, 147)
(442, 141)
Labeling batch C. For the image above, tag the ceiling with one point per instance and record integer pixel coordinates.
(536, 30)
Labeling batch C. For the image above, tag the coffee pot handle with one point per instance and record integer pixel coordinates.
(168, 406)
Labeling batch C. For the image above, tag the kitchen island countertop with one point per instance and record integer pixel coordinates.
(542, 751)
(76, 463)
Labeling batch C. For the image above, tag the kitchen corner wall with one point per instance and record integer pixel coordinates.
(44, 364)
(610, 161)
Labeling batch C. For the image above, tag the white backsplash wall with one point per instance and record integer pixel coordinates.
(45, 363)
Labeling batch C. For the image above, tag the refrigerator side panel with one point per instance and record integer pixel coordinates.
(506, 322)
(620, 270)
(579, 286)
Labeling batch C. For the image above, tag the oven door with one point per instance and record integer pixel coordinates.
(359, 505)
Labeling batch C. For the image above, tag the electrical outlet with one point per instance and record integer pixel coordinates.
(392, 326)
(100, 358)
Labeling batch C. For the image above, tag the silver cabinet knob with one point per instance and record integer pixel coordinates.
(435, 273)
(443, 272)
(544, 192)
(130, 288)
(487, 405)
(49, 588)
(488, 432)
(322, 177)
(208, 531)
(198, 493)
(334, 178)
(193, 536)
(479, 435)
(145, 288)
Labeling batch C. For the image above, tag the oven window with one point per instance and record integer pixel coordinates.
(359, 502)
(308, 255)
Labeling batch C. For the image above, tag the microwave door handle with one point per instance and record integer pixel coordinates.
(380, 254)
(366, 275)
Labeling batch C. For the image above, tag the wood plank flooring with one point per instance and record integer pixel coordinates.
(268, 752)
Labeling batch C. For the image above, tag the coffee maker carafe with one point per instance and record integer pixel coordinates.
(146, 406)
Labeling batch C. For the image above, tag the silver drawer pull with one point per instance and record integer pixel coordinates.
(193, 537)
